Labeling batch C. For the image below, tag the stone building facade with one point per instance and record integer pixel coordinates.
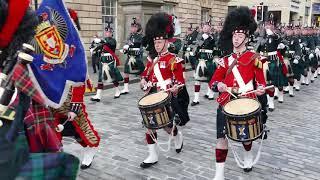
(94, 13)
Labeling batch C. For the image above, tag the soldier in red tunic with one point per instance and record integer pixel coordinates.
(79, 125)
(164, 70)
(239, 72)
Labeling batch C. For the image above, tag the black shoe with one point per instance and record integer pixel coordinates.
(247, 169)
(147, 165)
(116, 97)
(83, 166)
(280, 102)
(179, 150)
(270, 109)
(307, 84)
(275, 97)
(291, 95)
(297, 89)
(285, 92)
(206, 96)
(312, 81)
(123, 93)
(210, 99)
(95, 100)
(194, 103)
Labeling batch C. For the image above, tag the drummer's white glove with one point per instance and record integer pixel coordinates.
(191, 54)
(175, 90)
(126, 47)
(311, 56)
(281, 46)
(143, 84)
(260, 90)
(269, 32)
(188, 49)
(205, 36)
(97, 40)
(71, 116)
(222, 87)
(295, 61)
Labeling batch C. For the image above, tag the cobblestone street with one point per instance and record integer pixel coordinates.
(290, 152)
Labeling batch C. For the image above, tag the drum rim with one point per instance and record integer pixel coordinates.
(247, 140)
(158, 127)
(168, 98)
(243, 115)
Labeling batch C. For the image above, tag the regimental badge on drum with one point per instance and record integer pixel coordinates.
(242, 131)
(50, 40)
(151, 119)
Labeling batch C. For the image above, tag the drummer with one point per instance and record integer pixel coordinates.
(239, 72)
(164, 71)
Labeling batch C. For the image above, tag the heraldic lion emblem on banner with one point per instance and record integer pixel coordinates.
(50, 40)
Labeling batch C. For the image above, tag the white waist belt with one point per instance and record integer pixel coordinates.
(272, 53)
(206, 51)
(106, 54)
(134, 49)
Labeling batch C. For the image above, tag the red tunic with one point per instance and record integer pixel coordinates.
(250, 69)
(171, 69)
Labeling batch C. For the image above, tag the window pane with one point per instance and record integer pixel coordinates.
(107, 11)
(112, 3)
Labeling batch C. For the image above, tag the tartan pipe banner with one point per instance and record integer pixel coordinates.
(59, 58)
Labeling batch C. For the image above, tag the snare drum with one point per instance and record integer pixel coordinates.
(156, 110)
(243, 121)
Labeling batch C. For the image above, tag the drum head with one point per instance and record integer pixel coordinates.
(153, 99)
(241, 106)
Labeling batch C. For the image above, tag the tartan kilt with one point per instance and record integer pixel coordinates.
(314, 63)
(275, 74)
(113, 71)
(298, 69)
(40, 130)
(136, 68)
(193, 61)
(208, 71)
(50, 166)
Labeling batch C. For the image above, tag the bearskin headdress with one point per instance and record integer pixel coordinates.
(239, 20)
(159, 26)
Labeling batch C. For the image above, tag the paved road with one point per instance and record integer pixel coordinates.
(291, 151)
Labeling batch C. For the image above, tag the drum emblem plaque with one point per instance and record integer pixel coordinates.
(151, 121)
(241, 131)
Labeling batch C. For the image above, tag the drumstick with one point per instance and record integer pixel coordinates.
(268, 87)
(179, 86)
(231, 93)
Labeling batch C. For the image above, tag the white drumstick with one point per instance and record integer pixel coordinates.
(268, 87)
(179, 86)
(231, 94)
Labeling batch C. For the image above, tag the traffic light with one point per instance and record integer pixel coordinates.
(259, 13)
